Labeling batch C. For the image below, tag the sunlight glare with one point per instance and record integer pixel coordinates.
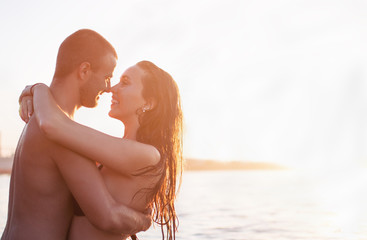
(343, 196)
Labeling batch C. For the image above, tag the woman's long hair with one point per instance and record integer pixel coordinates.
(161, 127)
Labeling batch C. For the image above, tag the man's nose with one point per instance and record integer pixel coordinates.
(108, 87)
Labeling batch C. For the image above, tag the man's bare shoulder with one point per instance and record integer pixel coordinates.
(33, 143)
(34, 159)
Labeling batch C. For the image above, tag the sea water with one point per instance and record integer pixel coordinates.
(262, 205)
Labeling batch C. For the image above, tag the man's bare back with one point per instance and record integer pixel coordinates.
(39, 200)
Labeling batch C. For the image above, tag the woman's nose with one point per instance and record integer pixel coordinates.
(112, 89)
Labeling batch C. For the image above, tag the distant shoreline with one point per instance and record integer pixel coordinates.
(211, 165)
(189, 165)
(6, 164)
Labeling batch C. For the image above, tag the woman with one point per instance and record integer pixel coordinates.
(140, 170)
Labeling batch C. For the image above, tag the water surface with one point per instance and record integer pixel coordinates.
(263, 205)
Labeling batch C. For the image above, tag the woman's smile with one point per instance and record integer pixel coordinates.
(114, 102)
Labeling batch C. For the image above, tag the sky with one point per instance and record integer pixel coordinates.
(279, 81)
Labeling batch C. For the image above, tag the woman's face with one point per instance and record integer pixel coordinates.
(127, 96)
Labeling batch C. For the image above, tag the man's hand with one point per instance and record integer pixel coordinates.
(142, 222)
(148, 219)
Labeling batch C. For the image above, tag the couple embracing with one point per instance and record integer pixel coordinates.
(70, 181)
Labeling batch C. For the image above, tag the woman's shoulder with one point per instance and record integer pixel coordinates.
(149, 153)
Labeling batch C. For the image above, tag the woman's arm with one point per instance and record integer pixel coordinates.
(26, 103)
(125, 156)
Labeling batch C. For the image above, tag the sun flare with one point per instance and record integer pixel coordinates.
(343, 196)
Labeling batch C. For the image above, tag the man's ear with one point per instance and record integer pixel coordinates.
(84, 71)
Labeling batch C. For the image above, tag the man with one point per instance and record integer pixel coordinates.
(46, 176)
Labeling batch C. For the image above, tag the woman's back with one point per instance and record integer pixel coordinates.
(131, 191)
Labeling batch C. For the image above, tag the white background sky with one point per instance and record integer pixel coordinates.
(280, 81)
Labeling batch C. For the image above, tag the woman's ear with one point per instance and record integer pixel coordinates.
(84, 71)
(151, 103)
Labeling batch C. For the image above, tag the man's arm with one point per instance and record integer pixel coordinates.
(87, 185)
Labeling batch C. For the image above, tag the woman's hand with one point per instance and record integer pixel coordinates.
(26, 103)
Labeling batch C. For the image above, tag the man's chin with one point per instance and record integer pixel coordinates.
(95, 105)
(91, 104)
